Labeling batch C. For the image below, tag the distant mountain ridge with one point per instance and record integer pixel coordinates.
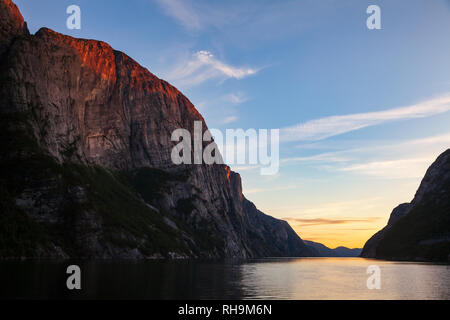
(419, 230)
(321, 250)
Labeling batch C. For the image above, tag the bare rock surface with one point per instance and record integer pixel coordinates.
(419, 230)
(87, 162)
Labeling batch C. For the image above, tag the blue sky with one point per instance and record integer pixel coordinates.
(363, 112)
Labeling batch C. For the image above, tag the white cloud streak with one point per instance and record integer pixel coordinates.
(244, 21)
(393, 169)
(433, 145)
(181, 11)
(229, 119)
(204, 66)
(259, 190)
(235, 98)
(400, 160)
(323, 128)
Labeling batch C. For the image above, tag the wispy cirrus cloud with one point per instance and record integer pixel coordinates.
(229, 119)
(322, 157)
(414, 148)
(393, 169)
(258, 190)
(203, 66)
(235, 98)
(194, 15)
(385, 159)
(244, 20)
(323, 128)
(182, 12)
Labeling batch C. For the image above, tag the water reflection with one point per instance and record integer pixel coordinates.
(307, 278)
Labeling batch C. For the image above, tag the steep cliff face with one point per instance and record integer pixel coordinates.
(12, 24)
(86, 168)
(419, 230)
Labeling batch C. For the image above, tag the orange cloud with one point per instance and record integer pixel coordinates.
(323, 221)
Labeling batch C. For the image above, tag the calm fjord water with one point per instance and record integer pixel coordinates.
(302, 278)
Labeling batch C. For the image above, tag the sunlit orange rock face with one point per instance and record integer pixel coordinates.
(12, 24)
(116, 112)
(90, 104)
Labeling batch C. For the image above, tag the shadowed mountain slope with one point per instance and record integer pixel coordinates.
(419, 230)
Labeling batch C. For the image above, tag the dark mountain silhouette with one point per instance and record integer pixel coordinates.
(419, 230)
(321, 250)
